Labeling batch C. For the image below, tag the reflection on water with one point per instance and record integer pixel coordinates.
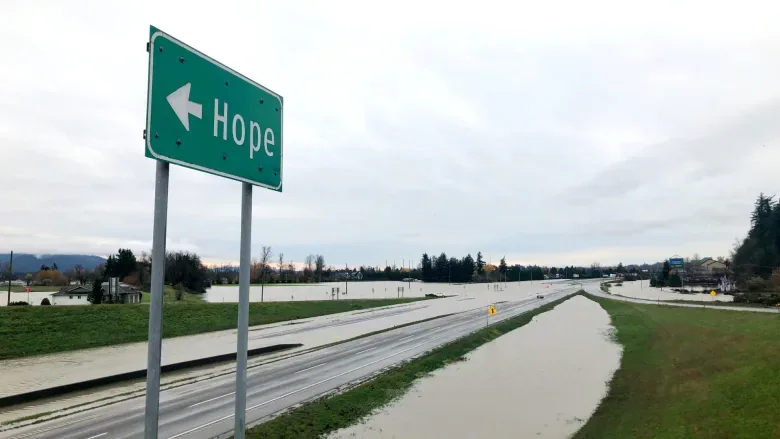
(542, 381)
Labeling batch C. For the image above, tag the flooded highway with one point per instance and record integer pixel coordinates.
(35, 373)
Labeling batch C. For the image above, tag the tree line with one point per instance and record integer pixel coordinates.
(755, 260)
(468, 269)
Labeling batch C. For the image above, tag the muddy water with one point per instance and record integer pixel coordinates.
(540, 381)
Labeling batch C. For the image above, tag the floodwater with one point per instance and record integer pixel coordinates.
(543, 380)
(642, 290)
(33, 297)
(354, 290)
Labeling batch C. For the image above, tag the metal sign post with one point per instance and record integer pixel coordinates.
(203, 115)
(243, 309)
(154, 348)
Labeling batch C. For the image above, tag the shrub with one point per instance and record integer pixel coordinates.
(756, 284)
(45, 301)
(18, 304)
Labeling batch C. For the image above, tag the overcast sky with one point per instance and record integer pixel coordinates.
(556, 132)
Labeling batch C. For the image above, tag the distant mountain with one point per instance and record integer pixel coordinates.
(29, 263)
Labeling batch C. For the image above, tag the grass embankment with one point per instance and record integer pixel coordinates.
(691, 373)
(718, 303)
(169, 296)
(37, 330)
(325, 415)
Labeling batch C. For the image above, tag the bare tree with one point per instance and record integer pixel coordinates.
(696, 257)
(79, 274)
(291, 270)
(281, 264)
(265, 259)
(309, 266)
(319, 262)
(310, 262)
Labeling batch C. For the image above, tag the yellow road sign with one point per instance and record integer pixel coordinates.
(492, 310)
(713, 293)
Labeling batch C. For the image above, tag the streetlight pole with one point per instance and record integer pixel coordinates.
(10, 276)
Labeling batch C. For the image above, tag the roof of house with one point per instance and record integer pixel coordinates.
(80, 289)
(123, 288)
(71, 290)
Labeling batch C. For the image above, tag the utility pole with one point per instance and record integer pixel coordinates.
(410, 274)
(346, 286)
(10, 276)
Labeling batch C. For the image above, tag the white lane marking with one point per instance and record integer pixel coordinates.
(365, 350)
(97, 435)
(309, 368)
(212, 399)
(202, 426)
(408, 336)
(44, 430)
(192, 430)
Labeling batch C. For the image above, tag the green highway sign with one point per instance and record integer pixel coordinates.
(206, 116)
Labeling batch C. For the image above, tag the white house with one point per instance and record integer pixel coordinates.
(78, 295)
(71, 296)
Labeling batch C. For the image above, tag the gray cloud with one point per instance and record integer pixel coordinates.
(614, 132)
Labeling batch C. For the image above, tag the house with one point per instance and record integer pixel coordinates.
(708, 267)
(71, 295)
(78, 295)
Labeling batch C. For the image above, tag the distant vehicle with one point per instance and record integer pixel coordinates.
(540, 296)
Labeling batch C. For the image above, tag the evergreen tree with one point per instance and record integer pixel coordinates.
(95, 296)
(480, 264)
(427, 268)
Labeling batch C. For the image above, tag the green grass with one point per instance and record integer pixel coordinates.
(37, 330)
(718, 303)
(322, 416)
(691, 373)
(169, 296)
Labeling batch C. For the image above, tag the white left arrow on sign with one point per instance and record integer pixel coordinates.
(183, 106)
